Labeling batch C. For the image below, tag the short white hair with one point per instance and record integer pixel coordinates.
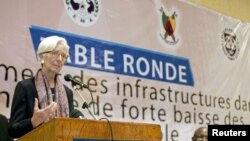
(49, 44)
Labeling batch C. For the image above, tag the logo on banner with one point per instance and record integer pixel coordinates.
(83, 12)
(230, 44)
(169, 25)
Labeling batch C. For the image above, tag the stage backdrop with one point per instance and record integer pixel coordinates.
(165, 61)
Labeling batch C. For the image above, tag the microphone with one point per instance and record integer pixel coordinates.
(75, 82)
(68, 77)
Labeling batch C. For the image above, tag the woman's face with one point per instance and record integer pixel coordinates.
(54, 60)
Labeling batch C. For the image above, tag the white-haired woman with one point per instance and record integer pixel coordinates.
(38, 99)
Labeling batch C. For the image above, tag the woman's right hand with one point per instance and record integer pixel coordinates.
(43, 115)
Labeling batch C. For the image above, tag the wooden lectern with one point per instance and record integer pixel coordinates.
(69, 129)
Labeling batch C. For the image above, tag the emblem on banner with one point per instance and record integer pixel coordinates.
(169, 25)
(83, 12)
(230, 44)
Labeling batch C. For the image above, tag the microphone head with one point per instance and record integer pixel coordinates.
(67, 77)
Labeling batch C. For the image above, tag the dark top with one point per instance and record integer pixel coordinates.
(23, 106)
(4, 128)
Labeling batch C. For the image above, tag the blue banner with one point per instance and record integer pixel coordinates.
(100, 55)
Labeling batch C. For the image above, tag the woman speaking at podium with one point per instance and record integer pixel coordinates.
(44, 96)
